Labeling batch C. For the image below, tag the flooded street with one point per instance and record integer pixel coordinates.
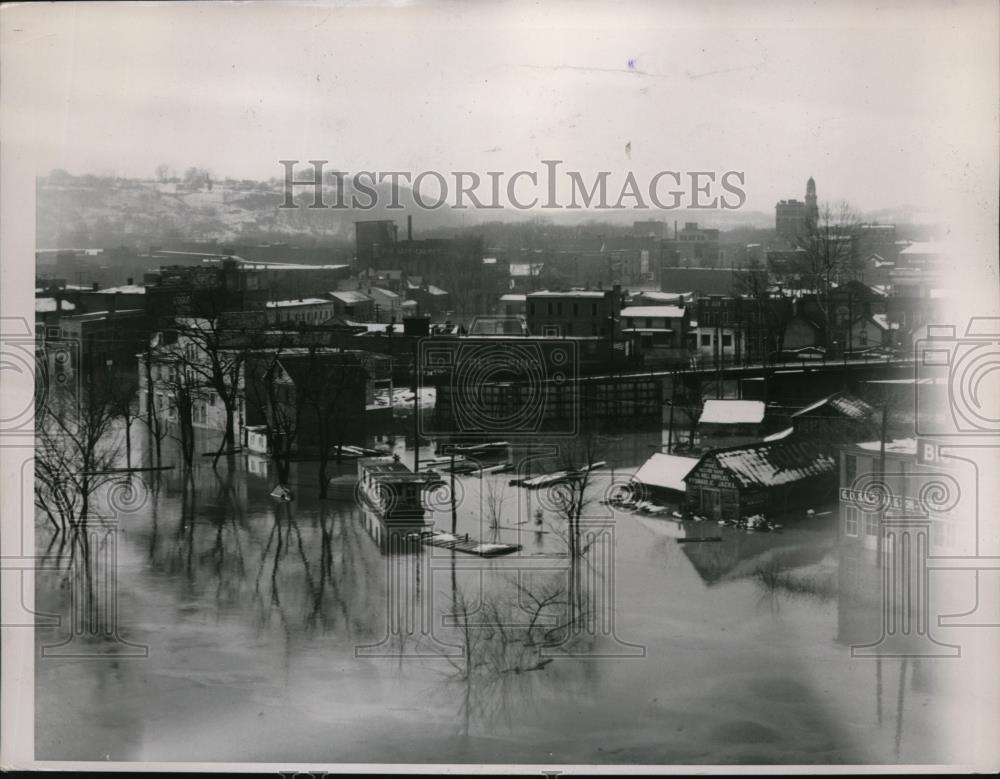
(250, 629)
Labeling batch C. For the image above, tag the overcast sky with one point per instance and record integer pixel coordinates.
(883, 107)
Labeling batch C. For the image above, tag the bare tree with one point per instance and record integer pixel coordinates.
(829, 246)
(215, 358)
(75, 450)
(164, 173)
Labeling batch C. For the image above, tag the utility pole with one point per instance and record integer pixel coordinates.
(454, 511)
(416, 413)
(881, 476)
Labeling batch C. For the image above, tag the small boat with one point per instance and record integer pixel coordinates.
(282, 493)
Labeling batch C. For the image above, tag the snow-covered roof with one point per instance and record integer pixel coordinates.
(664, 297)
(572, 293)
(883, 321)
(298, 302)
(350, 296)
(513, 298)
(432, 290)
(526, 268)
(896, 446)
(657, 312)
(842, 402)
(249, 265)
(124, 289)
(666, 471)
(780, 434)
(383, 291)
(732, 412)
(47, 305)
(774, 463)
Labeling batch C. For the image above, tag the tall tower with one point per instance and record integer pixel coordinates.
(812, 210)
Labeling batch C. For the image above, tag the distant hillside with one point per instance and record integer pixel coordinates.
(96, 212)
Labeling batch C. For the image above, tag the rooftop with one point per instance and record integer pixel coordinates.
(93, 315)
(774, 463)
(124, 289)
(298, 302)
(47, 305)
(513, 298)
(350, 296)
(661, 312)
(842, 402)
(596, 294)
(666, 471)
(896, 446)
(526, 268)
(664, 297)
(732, 412)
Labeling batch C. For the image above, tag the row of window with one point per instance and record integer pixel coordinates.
(856, 521)
(566, 329)
(727, 339)
(557, 308)
(305, 316)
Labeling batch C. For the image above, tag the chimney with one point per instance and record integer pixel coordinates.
(95, 286)
(130, 281)
(409, 227)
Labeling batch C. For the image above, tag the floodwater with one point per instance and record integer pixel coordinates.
(247, 629)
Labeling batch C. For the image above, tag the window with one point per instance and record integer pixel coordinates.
(576, 309)
(559, 309)
(871, 523)
(531, 308)
(851, 521)
(850, 469)
(706, 339)
(649, 322)
(629, 322)
(727, 339)
(549, 309)
(593, 309)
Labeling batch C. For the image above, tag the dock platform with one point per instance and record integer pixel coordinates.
(464, 544)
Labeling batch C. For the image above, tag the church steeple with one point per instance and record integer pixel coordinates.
(812, 210)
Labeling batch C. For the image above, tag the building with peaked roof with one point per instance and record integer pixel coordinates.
(835, 419)
(352, 304)
(725, 423)
(771, 477)
(661, 477)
